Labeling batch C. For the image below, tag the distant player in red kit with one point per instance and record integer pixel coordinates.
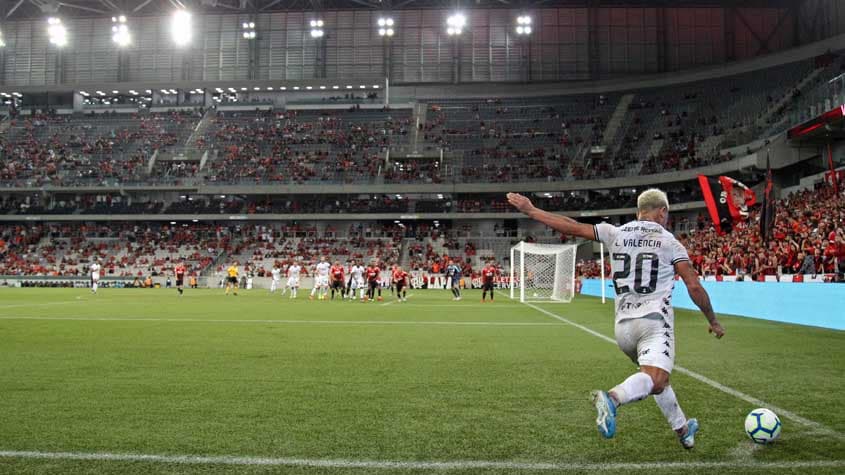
(372, 273)
(336, 273)
(488, 278)
(179, 270)
(400, 280)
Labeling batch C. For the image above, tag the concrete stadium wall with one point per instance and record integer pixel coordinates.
(812, 304)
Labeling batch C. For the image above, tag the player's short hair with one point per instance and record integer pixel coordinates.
(652, 199)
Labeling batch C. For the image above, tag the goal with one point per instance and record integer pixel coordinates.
(543, 272)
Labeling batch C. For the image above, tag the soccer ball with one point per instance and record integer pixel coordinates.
(763, 426)
(535, 294)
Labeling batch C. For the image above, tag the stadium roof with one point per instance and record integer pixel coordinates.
(29, 9)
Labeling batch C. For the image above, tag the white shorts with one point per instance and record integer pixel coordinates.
(293, 281)
(95, 277)
(321, 281)
(648, 341)
(356, 284)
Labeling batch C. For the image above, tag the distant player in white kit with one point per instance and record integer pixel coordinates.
(95, 276)
(321, 279)
(276, 275)
(293, 278)
(645, 258)
(356, 281)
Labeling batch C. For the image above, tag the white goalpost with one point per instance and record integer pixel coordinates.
(543, 272)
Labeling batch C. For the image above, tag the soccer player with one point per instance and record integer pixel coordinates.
(321, 279)
(453, 273)
(276, 275)
(232, 278)
(356, 280)
(95, 275)
(372, 274)
(293, 278)
(645, 259)
(400, 279)
(488, 277)
(179, 270)
(337, 280)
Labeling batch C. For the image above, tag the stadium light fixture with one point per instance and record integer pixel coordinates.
(248, 30)
(2, 41)
(56, 32)
(83, 94)
(295, 88)
(269, 88)
(385, 27)
(455, 24)
(322, 88)
(523, 25)
(317, 31)
(115, 92)
(180, 27)
(120, 31)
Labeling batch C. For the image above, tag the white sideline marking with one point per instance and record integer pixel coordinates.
(65, 302)
(414, 465)
(335, 322)
(395, 301)
(822, 429)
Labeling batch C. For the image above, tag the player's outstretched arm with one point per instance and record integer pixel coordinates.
(699, 296)
(563, 224)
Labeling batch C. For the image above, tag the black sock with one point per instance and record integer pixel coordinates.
(484, 295)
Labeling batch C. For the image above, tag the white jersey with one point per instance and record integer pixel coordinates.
(323, 269)
(643, 256)
(357, 273)
(95, 271)
(293, 271)
(277, 273)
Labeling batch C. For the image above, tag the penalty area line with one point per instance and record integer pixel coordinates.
(415, 465)
(294, 322)
(816, 426)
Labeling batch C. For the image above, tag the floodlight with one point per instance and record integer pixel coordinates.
(56, 32)
(455, 24)
(180, 27)
(317, 29)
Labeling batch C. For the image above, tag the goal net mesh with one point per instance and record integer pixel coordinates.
(542, 272)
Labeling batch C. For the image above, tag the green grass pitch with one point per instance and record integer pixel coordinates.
(334, 384)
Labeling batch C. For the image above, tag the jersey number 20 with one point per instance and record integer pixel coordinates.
(638, 272)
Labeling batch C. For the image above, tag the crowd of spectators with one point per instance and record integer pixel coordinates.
(66, 150)
(294, 147)
(808, 240)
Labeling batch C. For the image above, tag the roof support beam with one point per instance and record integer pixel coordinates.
(17, 5)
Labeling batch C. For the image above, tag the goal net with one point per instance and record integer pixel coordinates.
(543, 272)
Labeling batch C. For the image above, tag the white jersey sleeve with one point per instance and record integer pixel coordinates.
(605, 233)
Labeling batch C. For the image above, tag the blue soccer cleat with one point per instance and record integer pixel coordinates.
(688, 441)
(606, 414)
